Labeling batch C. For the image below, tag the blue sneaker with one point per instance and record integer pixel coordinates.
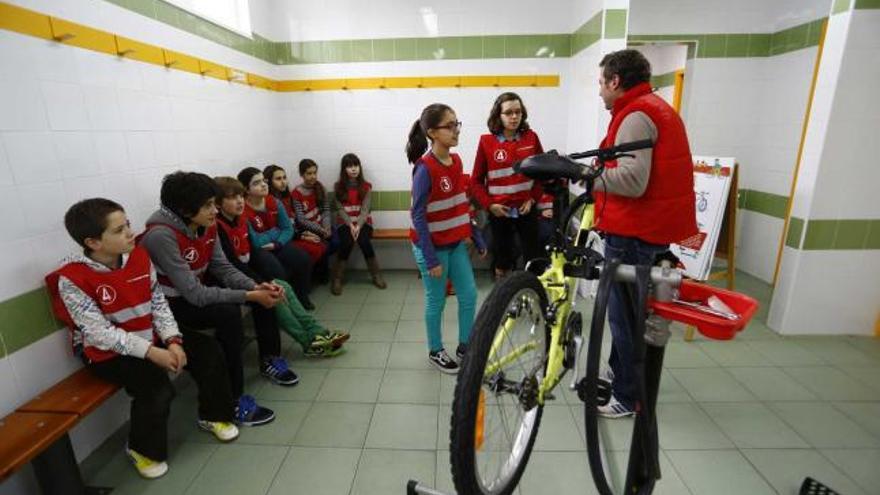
(249, 413)
(276, 369)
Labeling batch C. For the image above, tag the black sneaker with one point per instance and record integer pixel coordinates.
(443, 362)
(276, 369)
(249, 413)
(460, 351)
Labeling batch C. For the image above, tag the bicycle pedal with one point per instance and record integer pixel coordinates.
(813, 487)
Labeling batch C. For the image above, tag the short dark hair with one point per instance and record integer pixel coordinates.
(246, 175)
(494, 121)
(184, 193)
(228, 187)
(630, 65)
(87, 219)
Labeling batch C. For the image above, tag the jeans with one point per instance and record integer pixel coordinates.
(504, 232)
(456, 267)
(630, 251)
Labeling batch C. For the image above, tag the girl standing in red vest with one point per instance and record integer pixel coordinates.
(441, 222)
(271, 232)
(352, 201)
(509, 197)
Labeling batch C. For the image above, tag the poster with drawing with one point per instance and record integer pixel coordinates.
(712, 176)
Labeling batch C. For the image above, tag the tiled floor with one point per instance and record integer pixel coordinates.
(754, 415)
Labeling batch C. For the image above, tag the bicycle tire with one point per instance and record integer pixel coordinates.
(469, 385)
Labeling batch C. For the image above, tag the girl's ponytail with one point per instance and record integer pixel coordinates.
(417, 143)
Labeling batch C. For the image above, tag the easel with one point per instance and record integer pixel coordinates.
(726, 248)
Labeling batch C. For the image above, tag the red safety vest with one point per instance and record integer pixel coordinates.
(264, 220)
(448, 214)
(123, 295)
(666, 212)
(196, 252)
(504, 185)
(287, 202)
(309, 202)
(238, 236)
(352, 203)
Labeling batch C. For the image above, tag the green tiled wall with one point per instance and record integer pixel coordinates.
(589, 33)
(663, 80)
(745, 44)
(762, 202)
(26, 318)
(615, 24)
(840, 6)
(390, 200)
(867, 4)
(795, 230)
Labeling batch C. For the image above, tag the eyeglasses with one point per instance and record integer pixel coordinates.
(512, 113)
(452, 126)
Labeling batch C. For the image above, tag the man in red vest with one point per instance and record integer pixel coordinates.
(645, 202)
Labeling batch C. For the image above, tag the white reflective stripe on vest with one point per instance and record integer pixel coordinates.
(445, 204)
(515, 188)
(124, 315)
(545, 206)
(501, 172)
(352, 209)
(450, 223)
(244, 258)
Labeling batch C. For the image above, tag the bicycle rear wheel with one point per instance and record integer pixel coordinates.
(495, 414)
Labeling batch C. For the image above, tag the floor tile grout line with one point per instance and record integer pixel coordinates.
(278, 470)
(840, 468)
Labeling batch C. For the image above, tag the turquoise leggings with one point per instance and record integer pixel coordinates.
(457, 267)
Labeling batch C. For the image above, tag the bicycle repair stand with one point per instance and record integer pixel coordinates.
(413, 487)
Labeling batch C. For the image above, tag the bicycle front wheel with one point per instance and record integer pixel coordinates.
(495, 413)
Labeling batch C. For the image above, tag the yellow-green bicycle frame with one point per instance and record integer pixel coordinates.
(561, 290)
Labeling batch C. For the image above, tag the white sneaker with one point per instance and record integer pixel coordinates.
(225, 432)
(145, 466)
(614, 409)
(443, 362)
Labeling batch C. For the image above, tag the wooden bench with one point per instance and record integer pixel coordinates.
(37, 432)
(391, 234)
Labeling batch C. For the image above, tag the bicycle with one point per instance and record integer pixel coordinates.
(527, 336)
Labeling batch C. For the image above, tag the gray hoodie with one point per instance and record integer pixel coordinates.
(93, 329)
(162, 245)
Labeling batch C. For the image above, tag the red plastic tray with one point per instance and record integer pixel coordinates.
(713, 327)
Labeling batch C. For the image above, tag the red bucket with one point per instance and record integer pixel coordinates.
(712, 326)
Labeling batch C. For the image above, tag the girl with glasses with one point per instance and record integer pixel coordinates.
(441, 225)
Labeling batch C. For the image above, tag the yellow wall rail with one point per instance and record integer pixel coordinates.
(31, 23)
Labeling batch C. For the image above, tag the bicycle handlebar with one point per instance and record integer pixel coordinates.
(613, 150)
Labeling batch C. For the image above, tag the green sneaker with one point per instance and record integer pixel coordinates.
(322, 349)
(333, 338)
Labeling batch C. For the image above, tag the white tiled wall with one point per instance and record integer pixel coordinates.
(722, 16)
(294, 20)
(836, 291)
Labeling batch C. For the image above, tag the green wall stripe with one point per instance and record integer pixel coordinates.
(663, 80)
(731, 45)
(840, 6)
(615, 24)
(26, 318)
(587, 34)
(795, 230)
(867, 4)
(762, 202)
(550, 45)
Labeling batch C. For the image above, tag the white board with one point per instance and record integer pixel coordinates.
(712, 178)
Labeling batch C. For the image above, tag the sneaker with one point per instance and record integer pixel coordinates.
(249, 413)
(145, 466)
(276, 369)
(333, 338)
(460, 351)
(225, 432)
(614, 409)
(317, 350)
(606, 374)
(443, 362)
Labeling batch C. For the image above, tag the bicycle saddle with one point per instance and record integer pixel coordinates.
(551, 165)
